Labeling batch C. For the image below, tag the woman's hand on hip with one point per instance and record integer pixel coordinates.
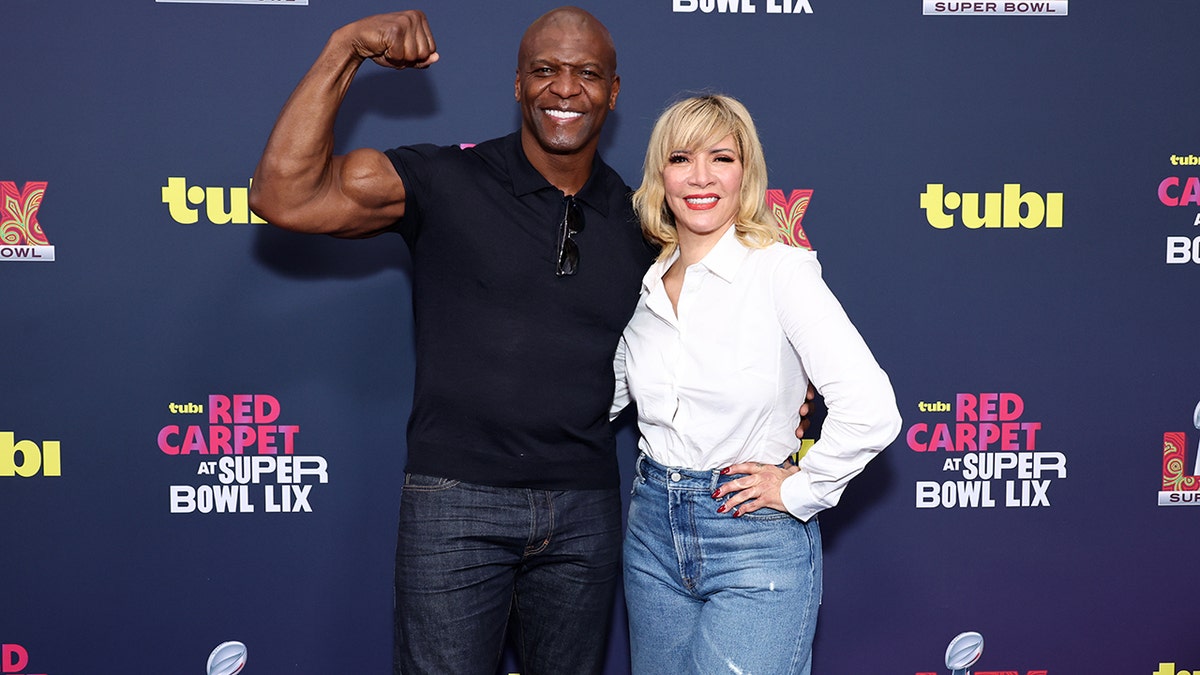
(760, 487)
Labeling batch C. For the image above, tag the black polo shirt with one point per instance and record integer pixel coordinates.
(514, 364)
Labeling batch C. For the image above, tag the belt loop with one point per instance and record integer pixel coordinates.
(637, 467)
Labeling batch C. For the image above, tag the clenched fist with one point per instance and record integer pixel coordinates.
(396, 40)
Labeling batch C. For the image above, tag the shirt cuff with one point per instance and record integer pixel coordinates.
(797, 495)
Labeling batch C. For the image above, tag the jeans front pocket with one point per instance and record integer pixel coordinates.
(767, 514)
(417, 482)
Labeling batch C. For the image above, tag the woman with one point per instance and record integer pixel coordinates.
(723, 551)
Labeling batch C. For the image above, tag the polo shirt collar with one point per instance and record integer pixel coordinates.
(526, 179)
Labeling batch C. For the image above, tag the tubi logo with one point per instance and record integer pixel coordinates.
(46, 458)
(218, 209)
(14, 659)
(21, 236)
(789, 214)
(1010, 209)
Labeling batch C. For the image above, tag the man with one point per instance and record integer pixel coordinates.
(527, 262)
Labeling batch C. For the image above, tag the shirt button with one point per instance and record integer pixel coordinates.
(675, 477)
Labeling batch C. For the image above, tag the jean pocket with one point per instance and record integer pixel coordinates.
(417, 482)
(766, 514)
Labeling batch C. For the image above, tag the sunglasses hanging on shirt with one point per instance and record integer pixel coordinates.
(570, 225)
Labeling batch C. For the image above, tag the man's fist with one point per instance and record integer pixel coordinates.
(397, 40)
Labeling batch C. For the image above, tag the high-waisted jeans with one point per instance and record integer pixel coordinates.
(709, 593)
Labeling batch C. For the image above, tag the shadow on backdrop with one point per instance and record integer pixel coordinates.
(374, 93)
(867, 491)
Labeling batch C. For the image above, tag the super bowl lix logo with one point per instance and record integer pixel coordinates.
(1179, 488)
(21, 235)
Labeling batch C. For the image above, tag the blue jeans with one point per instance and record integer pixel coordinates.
(710, 593)
(469, 556)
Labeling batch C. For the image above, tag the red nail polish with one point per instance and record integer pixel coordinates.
(736, 513)
(716, 493)
(721, 508)
(725, 471)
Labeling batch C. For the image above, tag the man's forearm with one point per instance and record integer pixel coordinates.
(296, 169)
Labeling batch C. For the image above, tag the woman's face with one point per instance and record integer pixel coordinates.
(703, 189)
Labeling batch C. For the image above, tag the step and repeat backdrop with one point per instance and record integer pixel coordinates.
(202, 416)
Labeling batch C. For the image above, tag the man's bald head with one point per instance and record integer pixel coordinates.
(567, 20)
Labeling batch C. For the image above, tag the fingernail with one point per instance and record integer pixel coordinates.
(716, 493)
(721, 508)
(724, 471)
(736, 513)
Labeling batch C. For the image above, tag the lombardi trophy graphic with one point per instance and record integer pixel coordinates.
(1196, 423)
(227, 659)
(964, 650)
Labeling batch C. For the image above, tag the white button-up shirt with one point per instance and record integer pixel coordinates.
(722, 380)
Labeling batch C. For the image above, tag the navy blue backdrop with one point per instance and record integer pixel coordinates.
(1004, 195)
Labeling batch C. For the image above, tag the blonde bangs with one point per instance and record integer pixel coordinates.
(689, 125)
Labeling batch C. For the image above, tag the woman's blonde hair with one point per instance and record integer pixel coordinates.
(692, 124)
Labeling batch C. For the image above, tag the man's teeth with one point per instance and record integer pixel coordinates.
(563, 114)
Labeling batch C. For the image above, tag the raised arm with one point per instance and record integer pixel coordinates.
(299, 183)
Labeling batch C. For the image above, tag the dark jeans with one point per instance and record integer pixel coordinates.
(470, 555)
